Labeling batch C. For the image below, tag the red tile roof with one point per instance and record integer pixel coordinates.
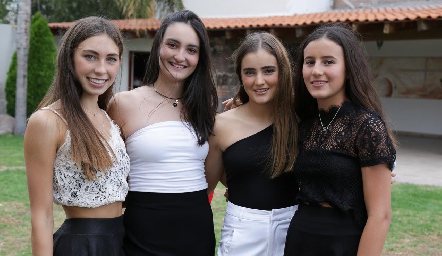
(409, 13)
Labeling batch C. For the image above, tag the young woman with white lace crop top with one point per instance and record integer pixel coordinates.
(166, 123)
(74, 153)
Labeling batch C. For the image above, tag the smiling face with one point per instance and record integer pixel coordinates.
(179, 53)
(96, 63)
(323, 71)
(259, 75)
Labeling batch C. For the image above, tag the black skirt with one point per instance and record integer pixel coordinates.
(316, 230)
(169, 224)
(90, 237)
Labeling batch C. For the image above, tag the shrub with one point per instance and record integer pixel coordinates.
(41, 66)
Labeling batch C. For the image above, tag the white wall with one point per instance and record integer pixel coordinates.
(411, 115)
(254, 8)
(131, 44)
(7, 43)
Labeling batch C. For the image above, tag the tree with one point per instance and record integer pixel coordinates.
(149, 8)
(41, 66)
(23, 19)
(41, 62)
(7, 8)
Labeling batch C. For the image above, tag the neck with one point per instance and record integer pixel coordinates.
(261, 112)
(169, 89)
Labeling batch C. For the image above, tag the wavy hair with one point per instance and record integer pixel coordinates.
(285, 127)
(89, 147)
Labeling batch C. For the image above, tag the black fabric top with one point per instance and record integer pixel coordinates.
(328, 167)
(248, 180)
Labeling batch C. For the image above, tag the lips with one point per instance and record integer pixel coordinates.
(97, 81)
(177, 66)
(261, 90)
(318, 83)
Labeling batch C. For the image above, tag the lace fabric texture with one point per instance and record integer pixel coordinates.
(328, 167)
(71, 186)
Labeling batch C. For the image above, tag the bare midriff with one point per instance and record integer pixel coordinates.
(112, 210)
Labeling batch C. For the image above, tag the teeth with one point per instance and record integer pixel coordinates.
(177, 66)
(318, 82)
(261, 90)
(97, 81)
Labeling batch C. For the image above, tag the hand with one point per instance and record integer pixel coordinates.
(229, 104)
(393, 174)
(226, 195)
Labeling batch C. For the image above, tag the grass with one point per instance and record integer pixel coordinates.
(416, 227)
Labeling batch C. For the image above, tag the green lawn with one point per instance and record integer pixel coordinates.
(416, 227)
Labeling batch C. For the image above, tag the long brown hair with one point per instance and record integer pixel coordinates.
(285, 127)
(359, 84)
(89, 148)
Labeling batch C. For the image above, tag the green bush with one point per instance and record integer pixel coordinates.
(41, 66)
(10, 86)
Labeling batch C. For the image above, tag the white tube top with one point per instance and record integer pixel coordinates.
(165, 158)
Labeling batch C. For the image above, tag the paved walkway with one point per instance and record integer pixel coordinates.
(419, 160)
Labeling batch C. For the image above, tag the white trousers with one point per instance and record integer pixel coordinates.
(252, 232)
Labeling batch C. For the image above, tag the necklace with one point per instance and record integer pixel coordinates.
(94, 114)
(325, 128)
(175, 104)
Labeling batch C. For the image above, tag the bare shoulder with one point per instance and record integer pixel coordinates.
(45, 126)
(229, 118)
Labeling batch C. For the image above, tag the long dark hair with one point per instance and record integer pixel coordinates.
(359, 83)
(199, 100)
(285, 128)
(89, 148)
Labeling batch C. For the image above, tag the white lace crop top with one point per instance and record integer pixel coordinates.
(165, 158)
(71, 186)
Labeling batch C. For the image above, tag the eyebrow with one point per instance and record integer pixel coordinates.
(177, 41)
(96, 53)
(323, 57)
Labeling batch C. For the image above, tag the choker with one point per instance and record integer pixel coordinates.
(325, 128)
(174, 104)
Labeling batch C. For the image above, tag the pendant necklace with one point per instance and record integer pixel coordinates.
(325, 128)
(175, 104)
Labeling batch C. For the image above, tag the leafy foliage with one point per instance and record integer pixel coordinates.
(41, 61)
(41, 66)
(68, 10)
(10, 86)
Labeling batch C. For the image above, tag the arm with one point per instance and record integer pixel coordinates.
(377, 196)
(40, 145)
(115, 113)
(214, 167)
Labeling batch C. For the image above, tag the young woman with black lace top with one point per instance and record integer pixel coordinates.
(346, 150)
(74, 153)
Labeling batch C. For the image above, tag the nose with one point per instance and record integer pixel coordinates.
(179, 56)
(100, 68)
(259, 79)
(317, 71)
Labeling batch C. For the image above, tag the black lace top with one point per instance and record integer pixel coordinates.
(250, 185)
(328, 167)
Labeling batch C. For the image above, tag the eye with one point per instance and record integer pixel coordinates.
(329, 62)
(89, 57)
(309, 63)
(248, 72)
(111, 59)
(192, 51)
(172, 45)
(269, 71)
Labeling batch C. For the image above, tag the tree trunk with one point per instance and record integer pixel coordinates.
(23, 27)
